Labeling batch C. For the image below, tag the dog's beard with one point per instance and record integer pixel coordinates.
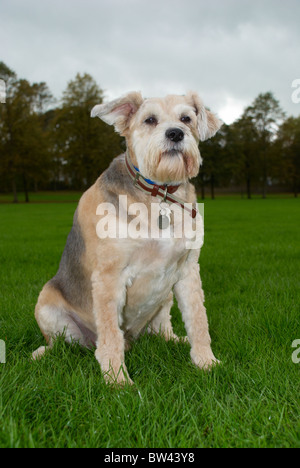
(171, 167)
(164, 164)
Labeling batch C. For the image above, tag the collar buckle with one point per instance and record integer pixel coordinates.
(165, 193)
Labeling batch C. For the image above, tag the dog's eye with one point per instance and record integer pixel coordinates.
(185, 119)
(151, 121)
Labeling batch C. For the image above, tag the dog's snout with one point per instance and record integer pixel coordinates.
(175, 134)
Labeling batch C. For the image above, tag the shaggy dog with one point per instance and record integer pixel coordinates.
(112, 284)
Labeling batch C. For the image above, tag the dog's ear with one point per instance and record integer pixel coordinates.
(119, 111)
(208, 123)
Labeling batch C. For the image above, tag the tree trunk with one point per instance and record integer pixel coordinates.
(295, 184)
(202, 187)
(25, 189)
(14, 189)
(212, 186)
(248, 188)
(264, 188)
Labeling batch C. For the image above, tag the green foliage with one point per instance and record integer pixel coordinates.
(50, 145)
(244, 153)
(45, 147)
(288, 149)
(84, 146)
(23, 141)
(266, 116)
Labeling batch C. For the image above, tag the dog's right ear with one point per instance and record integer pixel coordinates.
(119, 111)
(208, 123)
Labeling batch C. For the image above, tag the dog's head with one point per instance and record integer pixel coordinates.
(162, 134)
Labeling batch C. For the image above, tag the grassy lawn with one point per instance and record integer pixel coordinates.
(43, 197)
(250, 266)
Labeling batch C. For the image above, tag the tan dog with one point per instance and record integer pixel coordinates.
(108, 290)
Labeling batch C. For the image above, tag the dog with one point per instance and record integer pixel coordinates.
(109, 290)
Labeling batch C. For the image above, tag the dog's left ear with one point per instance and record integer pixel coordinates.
(119, 111)
(208, 123)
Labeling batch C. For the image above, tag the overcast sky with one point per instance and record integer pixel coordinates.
(227, 50)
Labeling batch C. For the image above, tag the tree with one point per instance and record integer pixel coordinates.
(83, 146)
(266, 115)
(241, 151)
(213, 170)
(8, 165)
(23, 145)
(288, 149)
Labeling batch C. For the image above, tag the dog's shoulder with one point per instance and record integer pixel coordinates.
(112, 182)
(114, 175)
(116, 181)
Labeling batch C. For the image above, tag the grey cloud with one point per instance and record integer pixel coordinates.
(228, 50)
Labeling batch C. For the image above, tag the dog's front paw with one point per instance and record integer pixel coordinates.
(204, 358)
(178, 339)
(113, 369)
(117, 378)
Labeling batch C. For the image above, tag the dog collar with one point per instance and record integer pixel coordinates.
(149, 181)
(165, 192)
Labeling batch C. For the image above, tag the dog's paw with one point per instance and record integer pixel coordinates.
(39, 353)
(182, 339)
(179, 339)
(205, 360)
(120, 379)
(113, 368)
(170, 336)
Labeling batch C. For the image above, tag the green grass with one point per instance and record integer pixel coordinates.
(43, 197)
(68, 196)
(250, 273)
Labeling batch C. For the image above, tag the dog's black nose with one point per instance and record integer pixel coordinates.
(175, 134)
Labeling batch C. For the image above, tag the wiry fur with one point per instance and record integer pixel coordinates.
(107, 291)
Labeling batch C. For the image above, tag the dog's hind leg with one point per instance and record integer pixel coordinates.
(54, 317)
(161, 324)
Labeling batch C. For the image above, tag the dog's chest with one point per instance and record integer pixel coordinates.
(150, 276)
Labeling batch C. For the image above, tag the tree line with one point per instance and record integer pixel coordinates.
(51, 145)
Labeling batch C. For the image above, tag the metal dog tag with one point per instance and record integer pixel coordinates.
(164, 216)
(163, 222)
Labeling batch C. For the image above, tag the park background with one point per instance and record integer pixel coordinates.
(243, 54)
(56, 146)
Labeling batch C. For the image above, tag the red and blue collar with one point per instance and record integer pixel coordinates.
(165, 192)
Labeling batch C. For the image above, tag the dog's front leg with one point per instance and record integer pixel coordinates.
(109, 296)
(190, 298)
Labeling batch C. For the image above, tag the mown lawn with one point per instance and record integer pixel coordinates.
(250, 267)
(43, 197)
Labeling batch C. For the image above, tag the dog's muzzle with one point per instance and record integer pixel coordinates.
(175, 134)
